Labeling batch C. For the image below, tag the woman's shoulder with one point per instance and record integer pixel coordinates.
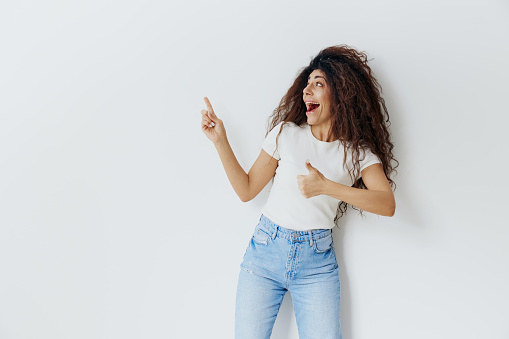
(287, 129)
(285, 125)
(292, 125)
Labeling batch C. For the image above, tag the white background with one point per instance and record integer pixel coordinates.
(117, 219)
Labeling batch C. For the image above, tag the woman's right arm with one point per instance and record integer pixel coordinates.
(247, 186)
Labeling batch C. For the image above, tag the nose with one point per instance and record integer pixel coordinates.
(306, 90)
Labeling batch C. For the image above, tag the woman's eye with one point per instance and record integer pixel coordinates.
(319, 83)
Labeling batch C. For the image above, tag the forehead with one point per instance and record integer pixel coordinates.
(316, 73)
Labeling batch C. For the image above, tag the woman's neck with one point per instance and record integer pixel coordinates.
(321, 132)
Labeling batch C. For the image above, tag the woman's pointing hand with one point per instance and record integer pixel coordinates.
(211, 125)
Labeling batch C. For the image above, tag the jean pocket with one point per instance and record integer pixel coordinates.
(261, 236)
(323, 245)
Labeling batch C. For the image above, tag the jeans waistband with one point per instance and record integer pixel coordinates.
(295, 236)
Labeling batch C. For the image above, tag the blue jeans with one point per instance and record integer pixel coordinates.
(278, 260)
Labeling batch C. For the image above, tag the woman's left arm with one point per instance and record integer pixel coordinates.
(378, 198)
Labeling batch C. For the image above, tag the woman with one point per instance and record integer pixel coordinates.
(328, 146)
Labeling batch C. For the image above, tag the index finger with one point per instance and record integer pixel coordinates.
(209, 106)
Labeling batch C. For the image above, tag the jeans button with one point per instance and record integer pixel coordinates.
(295, 235)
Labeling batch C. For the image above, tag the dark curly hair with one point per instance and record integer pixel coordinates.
(359, 118)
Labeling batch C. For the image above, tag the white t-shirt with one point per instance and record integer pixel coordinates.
(286, 206)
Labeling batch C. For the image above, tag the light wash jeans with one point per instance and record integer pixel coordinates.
(278, 260)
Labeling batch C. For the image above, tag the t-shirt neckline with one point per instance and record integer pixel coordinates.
(319, 142)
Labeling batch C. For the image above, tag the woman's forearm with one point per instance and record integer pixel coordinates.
(378, 202)
(236, 174)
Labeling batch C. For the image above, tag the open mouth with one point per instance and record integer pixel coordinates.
(312, 106)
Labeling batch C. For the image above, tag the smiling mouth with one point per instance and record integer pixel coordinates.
(312, 108)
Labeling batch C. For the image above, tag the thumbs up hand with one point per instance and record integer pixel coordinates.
(311, 184)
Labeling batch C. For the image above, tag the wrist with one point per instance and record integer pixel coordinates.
(334, 189)
(221, 142)
(326, 186)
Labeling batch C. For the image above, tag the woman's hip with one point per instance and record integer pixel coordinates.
(288, 255)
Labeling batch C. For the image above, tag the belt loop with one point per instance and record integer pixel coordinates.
(310, 238)
(275, 232)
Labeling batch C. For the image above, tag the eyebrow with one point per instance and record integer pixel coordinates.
(317, 76)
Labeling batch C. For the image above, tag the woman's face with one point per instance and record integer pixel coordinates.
(317, 92)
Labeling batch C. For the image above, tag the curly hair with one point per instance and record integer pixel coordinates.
(359, 118)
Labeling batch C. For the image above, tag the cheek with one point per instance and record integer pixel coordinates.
(325, 99)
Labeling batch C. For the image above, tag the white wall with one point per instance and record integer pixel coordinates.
(118, 221)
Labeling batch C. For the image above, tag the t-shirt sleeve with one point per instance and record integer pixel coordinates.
(269, 144)
(369, 159)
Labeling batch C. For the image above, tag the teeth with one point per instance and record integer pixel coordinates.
(310, 103)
